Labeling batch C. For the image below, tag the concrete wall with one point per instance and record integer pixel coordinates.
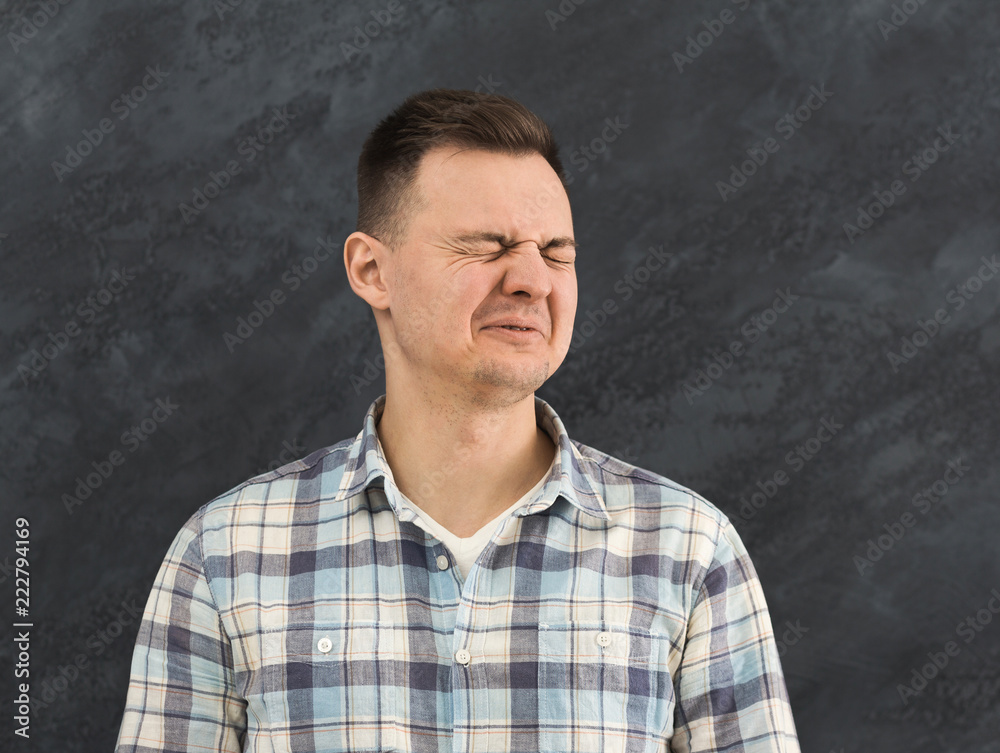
(127, 297)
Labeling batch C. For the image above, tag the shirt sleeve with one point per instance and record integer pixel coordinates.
(182, 694)
(730, 690)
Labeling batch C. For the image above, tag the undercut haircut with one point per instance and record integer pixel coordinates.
(388, 197)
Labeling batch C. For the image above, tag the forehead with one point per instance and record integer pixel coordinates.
(466, 188)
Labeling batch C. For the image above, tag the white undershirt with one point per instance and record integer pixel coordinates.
(466, 549)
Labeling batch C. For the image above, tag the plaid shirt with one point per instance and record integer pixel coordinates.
(304, 610)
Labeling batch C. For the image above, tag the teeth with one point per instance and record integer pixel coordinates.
(519, 329)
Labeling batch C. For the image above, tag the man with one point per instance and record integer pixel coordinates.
(461, 575)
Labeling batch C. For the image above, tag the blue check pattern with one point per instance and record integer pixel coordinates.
(305, 610)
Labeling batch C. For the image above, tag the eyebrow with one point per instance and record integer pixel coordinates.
(559, 241)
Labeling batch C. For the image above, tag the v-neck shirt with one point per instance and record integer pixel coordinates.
(465, 549)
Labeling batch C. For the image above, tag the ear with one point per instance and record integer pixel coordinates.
(366, 262)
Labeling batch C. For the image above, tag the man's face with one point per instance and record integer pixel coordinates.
(447, 287)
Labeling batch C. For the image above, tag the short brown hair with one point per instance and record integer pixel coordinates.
(390, 156)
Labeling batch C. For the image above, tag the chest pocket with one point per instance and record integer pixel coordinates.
(330, 688)
(601, 689)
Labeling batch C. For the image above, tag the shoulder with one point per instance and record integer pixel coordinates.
(644, 498)
(308, 479)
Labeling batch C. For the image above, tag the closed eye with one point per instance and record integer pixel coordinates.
(548, 254)
(560, 261)
(497, 249)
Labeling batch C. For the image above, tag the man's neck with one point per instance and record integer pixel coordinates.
(461, 464)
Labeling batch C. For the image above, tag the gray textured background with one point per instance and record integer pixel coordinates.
(292, 384)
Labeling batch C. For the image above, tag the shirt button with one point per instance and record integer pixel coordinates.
(604, 639)
(324, 645)
(462, 656)
(442, 561)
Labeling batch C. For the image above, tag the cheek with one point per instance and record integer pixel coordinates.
(567, 315)
(414, 307)
(571, 297)
(439, 309)
(566, 300)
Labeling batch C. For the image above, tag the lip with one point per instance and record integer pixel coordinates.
(514, 334)
(514, 321)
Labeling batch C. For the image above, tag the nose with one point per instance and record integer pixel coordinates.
(526, 271)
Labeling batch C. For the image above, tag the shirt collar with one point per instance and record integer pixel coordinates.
(568, 476)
